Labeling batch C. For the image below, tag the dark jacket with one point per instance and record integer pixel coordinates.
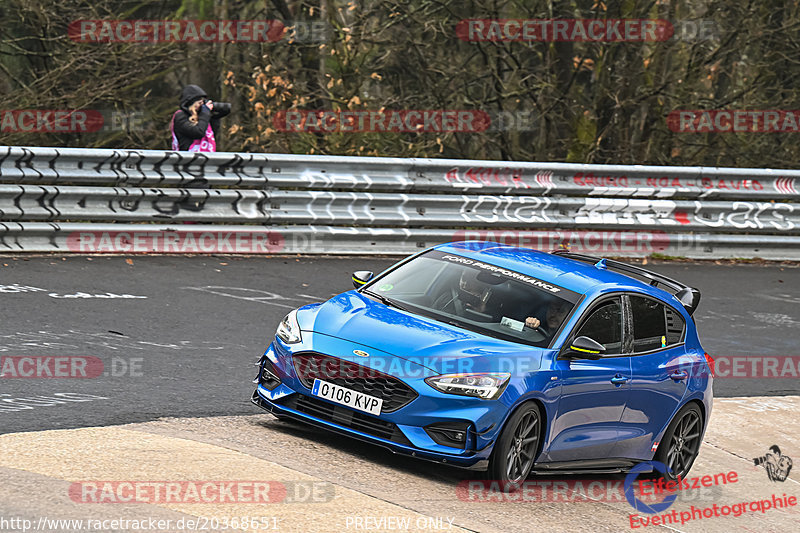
(185, 131)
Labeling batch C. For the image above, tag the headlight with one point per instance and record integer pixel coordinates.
(289, 329)
(486, 386)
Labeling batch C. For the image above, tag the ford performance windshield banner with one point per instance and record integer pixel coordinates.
(566, 294)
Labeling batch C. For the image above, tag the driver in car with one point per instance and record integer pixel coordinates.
(473, 293)
(557, 311)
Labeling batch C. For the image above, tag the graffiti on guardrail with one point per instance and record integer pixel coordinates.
(677, 183)
(615, 184)
(478, 177)
(744, 215)
(120, 167)
(490, 209)
(62, 203)
(331, 204)
(137, 167)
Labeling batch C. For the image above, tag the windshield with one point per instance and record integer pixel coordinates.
(477, 296)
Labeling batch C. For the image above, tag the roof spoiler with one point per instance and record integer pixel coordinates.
(690, 298)
(687, 296)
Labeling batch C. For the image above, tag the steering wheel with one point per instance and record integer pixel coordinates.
(541, 330)
(442, 303)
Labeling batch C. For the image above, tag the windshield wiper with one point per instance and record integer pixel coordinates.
(386, 301)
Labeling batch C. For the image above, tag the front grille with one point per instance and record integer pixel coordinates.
(394, 393)
(344, 416)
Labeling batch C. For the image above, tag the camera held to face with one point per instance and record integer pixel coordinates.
(221, 108)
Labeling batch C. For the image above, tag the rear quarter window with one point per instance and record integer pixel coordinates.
(655, 325)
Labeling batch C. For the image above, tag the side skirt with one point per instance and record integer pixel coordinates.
(586, 466)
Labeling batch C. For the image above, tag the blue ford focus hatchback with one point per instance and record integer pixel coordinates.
(508, 359)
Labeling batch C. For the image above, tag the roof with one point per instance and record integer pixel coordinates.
(574, 275)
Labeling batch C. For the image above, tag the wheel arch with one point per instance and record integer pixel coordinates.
(677, 410)
(501, 465)
(543, 424)
(700, 405)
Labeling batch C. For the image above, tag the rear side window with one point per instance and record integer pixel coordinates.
(675, 326)
(655, 325)
(604, 325)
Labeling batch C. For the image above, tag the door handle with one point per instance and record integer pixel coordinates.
(619, 379)
(679, 375)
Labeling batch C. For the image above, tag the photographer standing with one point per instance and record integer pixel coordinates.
(195, 125)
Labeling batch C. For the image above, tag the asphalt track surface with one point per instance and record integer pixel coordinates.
(175, 338)
(366, 488)
(185, 346)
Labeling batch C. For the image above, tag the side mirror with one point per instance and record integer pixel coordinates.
(361, 277)
(584, 348)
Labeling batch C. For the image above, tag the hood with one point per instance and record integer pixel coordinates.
(440, 347)
(189, 94)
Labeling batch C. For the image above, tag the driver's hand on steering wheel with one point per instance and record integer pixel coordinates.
(532, 322)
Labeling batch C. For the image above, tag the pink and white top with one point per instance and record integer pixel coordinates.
(207, 143)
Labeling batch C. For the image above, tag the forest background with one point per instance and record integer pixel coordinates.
(586, 102)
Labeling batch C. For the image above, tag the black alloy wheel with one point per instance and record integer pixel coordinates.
(681, 442)
(517, 447)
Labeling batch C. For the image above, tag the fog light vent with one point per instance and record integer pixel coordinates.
(452, 434)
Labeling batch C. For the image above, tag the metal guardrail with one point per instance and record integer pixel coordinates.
(30, 203)
(255, 240)
(156, 168)
(343, 205)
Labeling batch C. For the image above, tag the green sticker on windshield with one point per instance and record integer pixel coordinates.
(386, 287)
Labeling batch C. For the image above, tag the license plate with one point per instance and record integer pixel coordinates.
(349, 397)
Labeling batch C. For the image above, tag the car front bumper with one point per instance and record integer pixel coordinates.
(473, 461)
(403, 431)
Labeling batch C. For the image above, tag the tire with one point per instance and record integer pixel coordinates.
(517, 447)
(681, 442)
